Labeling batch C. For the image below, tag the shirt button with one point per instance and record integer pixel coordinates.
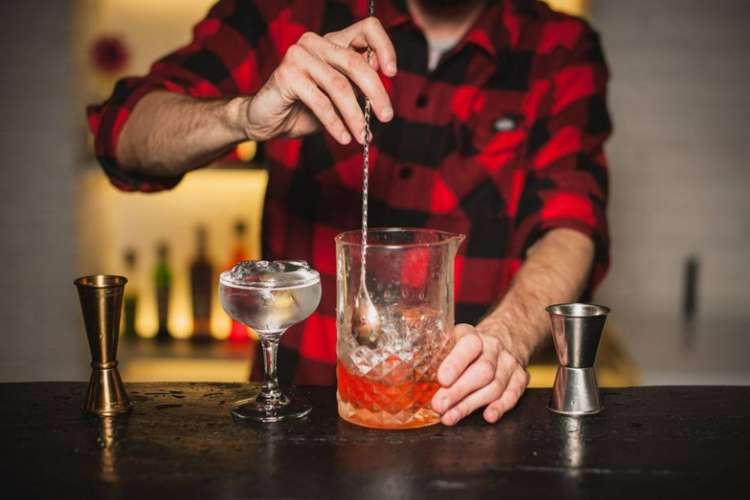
(422, 100)
(406, 172)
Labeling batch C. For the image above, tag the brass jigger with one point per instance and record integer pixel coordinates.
(101, 303)
(576, 332)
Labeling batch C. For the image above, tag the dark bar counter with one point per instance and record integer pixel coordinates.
(180, 443)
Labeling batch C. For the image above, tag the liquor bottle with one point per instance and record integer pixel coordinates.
(201, 289)
(163, 283)
(238, 331)
(130, 300)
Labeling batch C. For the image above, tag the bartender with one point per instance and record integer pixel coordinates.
(490, 121)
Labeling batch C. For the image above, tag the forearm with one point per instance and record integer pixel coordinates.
(555, 271)
(169, 134)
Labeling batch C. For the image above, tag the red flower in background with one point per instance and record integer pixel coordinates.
(109, 54)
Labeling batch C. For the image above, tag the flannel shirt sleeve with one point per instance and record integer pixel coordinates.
(567, 181)
(220, 60)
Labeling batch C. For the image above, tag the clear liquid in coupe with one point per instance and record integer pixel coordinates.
(270, 310)
(270, 296)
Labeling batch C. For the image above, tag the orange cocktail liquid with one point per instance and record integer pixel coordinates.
(384, 405)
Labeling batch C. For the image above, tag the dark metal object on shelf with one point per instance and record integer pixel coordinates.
(576, 332)
(101, 304)
(690, 290)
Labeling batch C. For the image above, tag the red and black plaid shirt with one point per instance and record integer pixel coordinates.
(501, 142)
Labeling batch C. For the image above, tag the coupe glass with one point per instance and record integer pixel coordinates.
(269, 297)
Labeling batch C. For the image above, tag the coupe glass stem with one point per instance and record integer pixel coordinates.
(270, 391)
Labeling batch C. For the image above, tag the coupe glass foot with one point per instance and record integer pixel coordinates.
(253, 410)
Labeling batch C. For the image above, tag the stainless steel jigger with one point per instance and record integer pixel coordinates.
(101, 303)
(576, 332)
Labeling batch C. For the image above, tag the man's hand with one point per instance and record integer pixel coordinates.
(317, 84)
(487, 364)
(479, 371)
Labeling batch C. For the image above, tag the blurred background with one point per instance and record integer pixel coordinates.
(679, 285)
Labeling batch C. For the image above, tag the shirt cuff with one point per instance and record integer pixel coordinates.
(106, 121)
(535, 229)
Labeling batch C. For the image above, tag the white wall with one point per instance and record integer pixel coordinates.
(40, 334)
(680, 163)
(680, 155)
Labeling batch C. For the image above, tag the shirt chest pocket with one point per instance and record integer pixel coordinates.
(496, 140)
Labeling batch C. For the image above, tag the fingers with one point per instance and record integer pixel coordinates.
(478, 372)
(319, 104)
(324, 111)
(471, 391)
(355, 67)
(373, 62)
(335, 85)
(477, 399)
(483, 382)
(369, 33)
(468, 348)
(515, 388)
(318, 72)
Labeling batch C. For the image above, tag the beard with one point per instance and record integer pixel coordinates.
(441, 4)
(447, 8)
